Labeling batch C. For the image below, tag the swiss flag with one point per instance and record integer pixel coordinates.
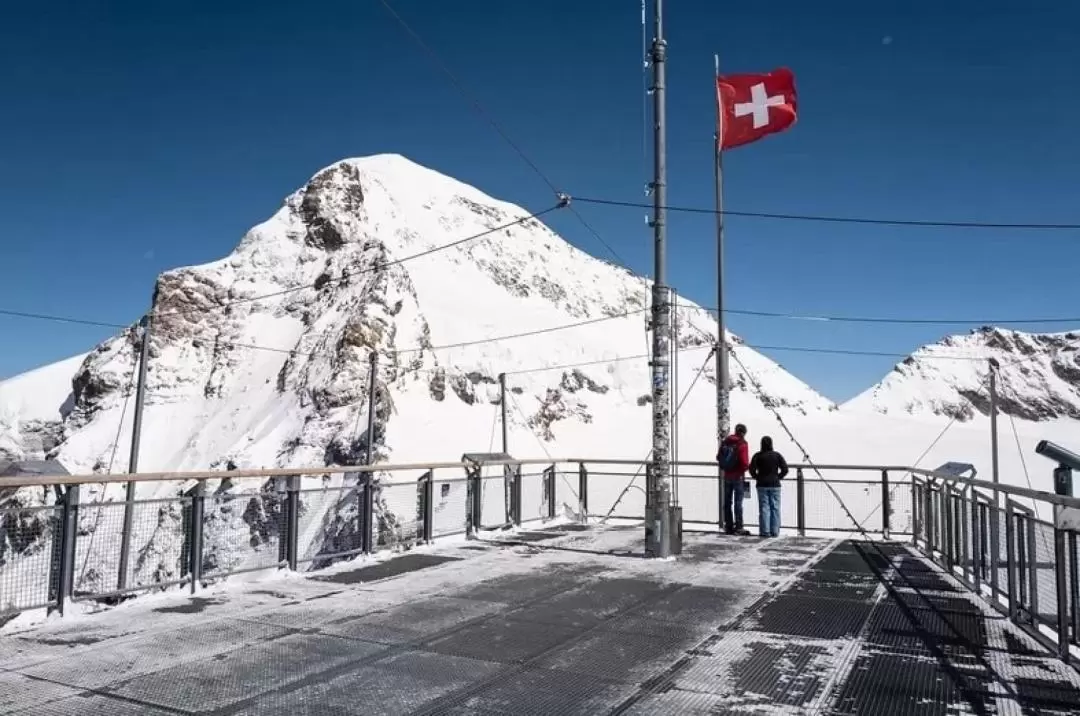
(753, 105)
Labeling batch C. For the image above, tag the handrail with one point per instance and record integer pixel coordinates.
(180, 476)
(97, 478)
(1014, 490)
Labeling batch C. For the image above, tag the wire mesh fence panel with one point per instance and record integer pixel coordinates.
(448, 510)
(567, 492)
(397, 522)
(534, 497)
(494, 498)
(244, 525)
(1044, 563)
(328, 523)
(902, 517)
(999, 516)
(29, 558)
(699, 497)
(618, 490)
(160, 534)
(828, 503)
(157, 546)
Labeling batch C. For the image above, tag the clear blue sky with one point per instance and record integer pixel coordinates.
(143, 136)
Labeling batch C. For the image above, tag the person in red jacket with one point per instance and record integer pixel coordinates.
(734, 459)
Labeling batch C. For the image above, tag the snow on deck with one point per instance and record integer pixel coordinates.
(558, 621)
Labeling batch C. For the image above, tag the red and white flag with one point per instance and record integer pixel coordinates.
(751, 106)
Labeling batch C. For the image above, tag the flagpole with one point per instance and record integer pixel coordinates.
(723, 379)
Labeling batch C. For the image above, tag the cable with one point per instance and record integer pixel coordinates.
(551, 329)
(523, 334)
(836, 219)
(471, 98)
(61, 319)
(583, 364)
(762, 398)
(112, 459)
(895, 488)
(525, 420)
(250, 299)
(378, 267)
(673, 414)
(540, 331)
(894, 321)
(1027, 474)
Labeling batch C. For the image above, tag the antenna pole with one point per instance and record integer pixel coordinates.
(658, 531)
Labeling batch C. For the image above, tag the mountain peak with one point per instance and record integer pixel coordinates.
(262, 357)
(1039, 377)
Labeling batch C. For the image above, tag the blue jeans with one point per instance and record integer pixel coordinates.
(768, 511)
(733, 497)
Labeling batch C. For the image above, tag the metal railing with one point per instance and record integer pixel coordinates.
(200, 526)
(1016, 547)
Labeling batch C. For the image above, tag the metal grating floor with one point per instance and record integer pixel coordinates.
(734, 626)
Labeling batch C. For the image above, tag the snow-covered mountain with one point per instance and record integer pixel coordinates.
(261, 358)
(32, 409)
(1038, 378)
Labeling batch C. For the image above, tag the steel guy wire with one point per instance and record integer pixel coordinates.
(369, 269)
(860, 528)
(112, 459)
(678, 407)
(517, 407)
(471, 98)
(836, 219)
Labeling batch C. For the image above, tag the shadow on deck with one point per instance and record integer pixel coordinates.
(556, 621)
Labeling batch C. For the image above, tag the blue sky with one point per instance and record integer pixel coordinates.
(143, 136)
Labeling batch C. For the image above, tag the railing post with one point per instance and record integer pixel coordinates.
(994, 523)
(1033, 571)
(281, 490)
(515, 495)
(916, 511)
(950, 542)
(195, 543)
(549, 491)
(292, 520)
(1012, 562)
(69, 527)
(1074, 587)
(965, 525)
(931, 517)
(1060, 556)
(800, 501)
(425, 498)
(583, 492)
(473, 502)
(367, 512)
(886, 504)
(978, 555)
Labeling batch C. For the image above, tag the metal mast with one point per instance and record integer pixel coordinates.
(657, 517)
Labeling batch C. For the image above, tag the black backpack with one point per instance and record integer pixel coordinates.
(729, 456)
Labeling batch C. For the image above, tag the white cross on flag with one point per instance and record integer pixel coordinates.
(753, 105)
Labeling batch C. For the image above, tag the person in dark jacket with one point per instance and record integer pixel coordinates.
(734, 459)
(768, 468)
